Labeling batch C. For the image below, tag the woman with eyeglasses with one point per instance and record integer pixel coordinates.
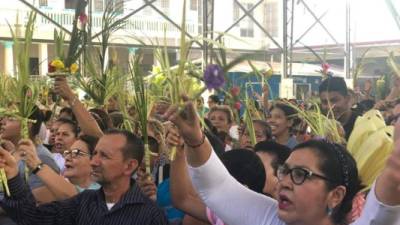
(316, 184)
(77, 168)
(77, 163)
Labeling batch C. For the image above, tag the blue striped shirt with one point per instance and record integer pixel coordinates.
(88, 207)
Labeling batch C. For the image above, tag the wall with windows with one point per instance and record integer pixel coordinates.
(248, 34)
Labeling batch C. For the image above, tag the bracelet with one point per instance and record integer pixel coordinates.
(203, 138)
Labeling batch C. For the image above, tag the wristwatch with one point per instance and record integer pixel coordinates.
(38, 168)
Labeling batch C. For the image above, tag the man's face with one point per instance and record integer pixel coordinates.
(336, 102)
(108, 164)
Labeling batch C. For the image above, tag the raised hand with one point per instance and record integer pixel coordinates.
(62, 88)
(173, 138)
(186, 120)
(8, 163)
(27, 151)
(147, 185)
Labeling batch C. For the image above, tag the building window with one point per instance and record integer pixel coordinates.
(164, 4)
(236, 11)
(247, 24)
(98, 6)
(34, 66)
(200, 17)
(70, 4)
(270, 21)
(193, 5)
(43, 3)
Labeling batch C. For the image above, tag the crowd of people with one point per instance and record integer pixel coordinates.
(79, 167)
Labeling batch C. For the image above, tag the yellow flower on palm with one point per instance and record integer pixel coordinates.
(269, 73)
(156, 70)
(74, 68)
(58, 64)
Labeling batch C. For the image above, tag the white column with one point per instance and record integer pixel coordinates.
(8, 58)
(286, 88)
(43, 59)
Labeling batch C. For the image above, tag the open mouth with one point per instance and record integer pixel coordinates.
(67, 166)
(284, 202)
(58, 146)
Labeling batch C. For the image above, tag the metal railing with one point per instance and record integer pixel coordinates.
(152, 27)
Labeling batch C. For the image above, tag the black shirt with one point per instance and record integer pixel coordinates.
(88, 207)
(348, 127)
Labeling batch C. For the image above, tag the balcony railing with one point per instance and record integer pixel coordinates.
(149, 27)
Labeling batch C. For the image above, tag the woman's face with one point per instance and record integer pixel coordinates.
(77, 161)
(279, 122)
(305, 203)
(211, 103)
(219, 120)
(271, 181)
(65, 137)
(245, 140)
(53, 132)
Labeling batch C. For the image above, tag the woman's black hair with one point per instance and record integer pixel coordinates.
(102, 119)
(279, 152)
(215, 142)
(74, 126)
(38, 117)
(246, 167)
(68, 111)
(336, 163)
(90, 141)
(287, 110)
(215, 99)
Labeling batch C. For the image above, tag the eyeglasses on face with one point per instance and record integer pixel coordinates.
(74, 153)
(298, 175)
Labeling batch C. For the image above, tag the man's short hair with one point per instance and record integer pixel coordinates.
(278, 151)
(37, 116)
(133, 148)
(331, 84)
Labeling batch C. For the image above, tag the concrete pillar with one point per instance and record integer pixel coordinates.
(43, 59)
(8, 58)
(286, 88)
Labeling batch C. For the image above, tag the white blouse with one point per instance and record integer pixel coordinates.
(237, 205)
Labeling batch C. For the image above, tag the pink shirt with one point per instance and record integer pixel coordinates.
(212, 218)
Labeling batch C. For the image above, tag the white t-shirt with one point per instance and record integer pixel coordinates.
(237, 205)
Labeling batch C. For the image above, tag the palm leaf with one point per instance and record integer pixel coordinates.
(359, 67)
